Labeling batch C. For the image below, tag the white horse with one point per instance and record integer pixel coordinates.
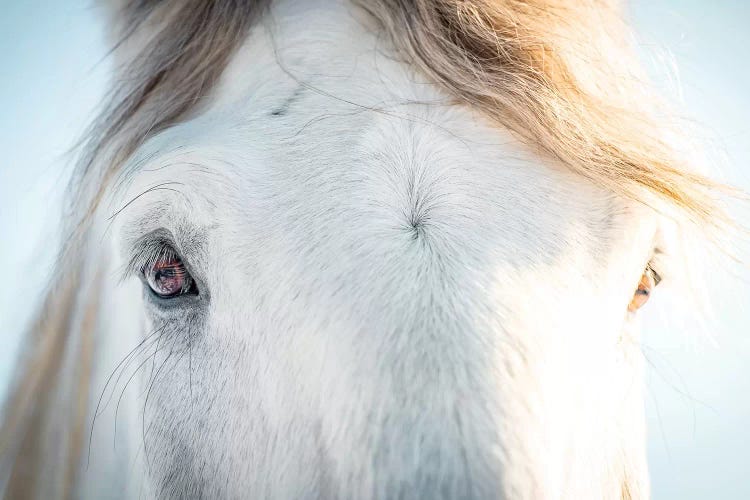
(379, 249)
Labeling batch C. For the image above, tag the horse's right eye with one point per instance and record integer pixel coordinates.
(648, 282)
(168, 278)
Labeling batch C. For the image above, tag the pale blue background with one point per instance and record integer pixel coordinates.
(699, 394)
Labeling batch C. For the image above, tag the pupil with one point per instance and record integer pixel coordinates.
(168, 281)
(165, 273)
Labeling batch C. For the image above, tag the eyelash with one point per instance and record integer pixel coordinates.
(654, 273)
(659, 264)
(149, 255)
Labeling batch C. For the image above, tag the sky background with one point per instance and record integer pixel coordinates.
(698, 405)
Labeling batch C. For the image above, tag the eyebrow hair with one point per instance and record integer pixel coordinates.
(160, 213)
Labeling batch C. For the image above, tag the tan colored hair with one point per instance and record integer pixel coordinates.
(560, 74)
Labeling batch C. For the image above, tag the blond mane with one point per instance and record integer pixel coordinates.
(560, 74)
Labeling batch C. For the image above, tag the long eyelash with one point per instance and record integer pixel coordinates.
(654, 274)
(147, 254)
(659, 266)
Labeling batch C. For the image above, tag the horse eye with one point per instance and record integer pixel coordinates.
(649, 280)
(168, 278)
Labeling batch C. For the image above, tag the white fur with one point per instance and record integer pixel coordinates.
(342, 352)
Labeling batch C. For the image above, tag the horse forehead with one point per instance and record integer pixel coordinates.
(416, 165)
(311, 126)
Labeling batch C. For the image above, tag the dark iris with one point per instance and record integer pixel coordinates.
(168, 278)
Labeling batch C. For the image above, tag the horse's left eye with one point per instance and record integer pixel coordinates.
(648, 282)
(168, 278)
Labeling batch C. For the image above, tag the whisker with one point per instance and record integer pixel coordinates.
(121, 368)
(148, 394)
(122, 393)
